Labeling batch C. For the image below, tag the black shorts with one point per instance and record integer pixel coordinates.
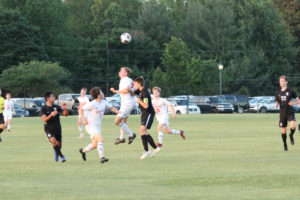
(55, 134)
(284, 118)
(147, 119)
(1, 118)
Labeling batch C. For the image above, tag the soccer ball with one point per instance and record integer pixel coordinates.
(125, 38)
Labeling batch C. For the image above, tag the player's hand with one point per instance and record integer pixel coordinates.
(84, 122)
(64, 106)
(113, 90)
(54, 113)
(291, 103)
(174, 116)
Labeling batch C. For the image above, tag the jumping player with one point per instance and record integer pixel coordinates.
(1, 114)
(82, 101)
(148, 113)
(8, 111)
(284, 98)
(95, 111)
(126, 89)
(161, 112)
(50, 115)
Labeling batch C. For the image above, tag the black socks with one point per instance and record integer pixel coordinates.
(283, 138)
(57, 150)
(293, 131)
(151, 142)
(145, 142)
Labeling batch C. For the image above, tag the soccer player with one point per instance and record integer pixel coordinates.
(1, 114)
(284, 98)
(95, 111)
(82, 101)
(161, 112)
(126, 88)
(50, 115)
(8, 111)
(148, 113)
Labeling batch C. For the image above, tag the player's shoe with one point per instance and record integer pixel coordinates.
(63, 159)
(103, 160)
(119, 141)
(155, 151)
(145, 154)
(159, 145)
(82, 154)
(130, 139)
(292, 139)
(182, 134)
(285, 147)
(56, 157)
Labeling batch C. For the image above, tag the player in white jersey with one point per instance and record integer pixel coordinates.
(95, 111)
(126, 89)
(9, 109)
(161, 112)
(83, 99)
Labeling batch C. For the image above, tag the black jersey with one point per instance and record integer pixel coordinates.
(53, 124)
(145, 96)
(283, 98)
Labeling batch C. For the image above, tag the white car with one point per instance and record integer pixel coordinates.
(265, 105)
(181, 107)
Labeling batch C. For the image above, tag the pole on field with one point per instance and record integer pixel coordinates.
(107, 23)
(220, 70)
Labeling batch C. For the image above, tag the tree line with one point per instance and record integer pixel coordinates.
(61, 45)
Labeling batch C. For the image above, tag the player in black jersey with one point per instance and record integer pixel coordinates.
(50, 115)
(284, 99)
(148, 113)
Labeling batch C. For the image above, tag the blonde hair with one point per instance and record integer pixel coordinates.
(283, 76)
(128, 70)
(156, 88)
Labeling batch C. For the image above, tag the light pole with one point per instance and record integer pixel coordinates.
(220, 69)
(107, 23)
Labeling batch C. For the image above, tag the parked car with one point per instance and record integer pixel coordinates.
(242, 103)
(20, 112)
(183, 107)
(219, 106)
(256, 103)
(29, 105)
(203, 102)
(40, 101)
(76, 103)
(265, 105)
(69, 100)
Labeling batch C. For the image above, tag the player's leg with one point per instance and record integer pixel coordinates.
(173, 131)
(100, 147)
(292, 121)
(57, 148)
(1, 130)
(160, 134)
(283, 124)
(80, 127)
(144, 137)
(121, 122)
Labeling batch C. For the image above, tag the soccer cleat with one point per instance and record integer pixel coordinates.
(155, 151)
(130, 139)
(56, 157)
(82, 154)
(292, 139)
(285, 147)
(159, 145)
(63, 159)
(103, 160)
(118, 141)
(182, 134)
(145, 154)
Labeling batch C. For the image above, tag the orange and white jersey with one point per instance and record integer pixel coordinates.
(95, 112)
(126, 82)
(161, 107)
(8, 105)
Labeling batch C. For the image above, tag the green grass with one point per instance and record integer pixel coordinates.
(224, 157)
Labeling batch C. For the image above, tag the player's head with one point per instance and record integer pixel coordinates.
(283, 81)
(83, 91)
(124, 72)
(49, 97)
(139, 82)
(97, 93)
(7, 95)
(156, 91)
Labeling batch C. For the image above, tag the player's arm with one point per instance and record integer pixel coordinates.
(276, 104)
(124, 91)
(82, 116)
(173, 110)
(144, 102)
(113, 109)
(47, 118)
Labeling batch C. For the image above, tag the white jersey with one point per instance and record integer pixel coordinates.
(161, 107)
(126, 82)
(95, 112)
(8, 106)
(83, 101)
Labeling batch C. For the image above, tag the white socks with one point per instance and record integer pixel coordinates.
(121, 134)
(100, 149)
(160, 137)
(88, 148)
(80, 128)
(175, 132)
(8, 127)
(124, 127)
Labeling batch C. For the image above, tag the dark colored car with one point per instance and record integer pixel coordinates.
(29, 105)
(219, 106)
(240, 102)
(204, 103)
(20, 112)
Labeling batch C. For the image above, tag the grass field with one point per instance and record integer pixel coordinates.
(224, 157)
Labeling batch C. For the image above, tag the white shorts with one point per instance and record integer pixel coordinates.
(125, 110)
(7, 116)
(93, 130)
(163, 120)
